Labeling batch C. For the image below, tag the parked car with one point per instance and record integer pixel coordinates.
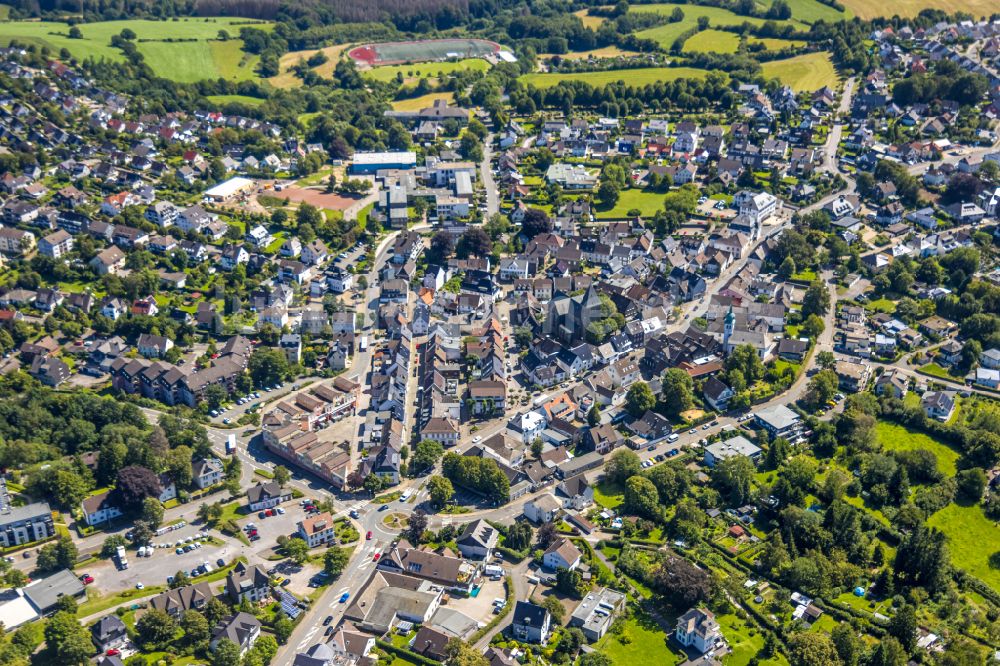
(369, 535)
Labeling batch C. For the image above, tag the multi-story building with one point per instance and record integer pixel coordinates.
(24, 524)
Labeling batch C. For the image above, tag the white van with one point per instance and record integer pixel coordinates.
(673, 437)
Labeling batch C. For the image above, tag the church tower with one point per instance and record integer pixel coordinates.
(730, 326)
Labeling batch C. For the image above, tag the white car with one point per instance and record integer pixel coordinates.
(477, 438)
(139, 586)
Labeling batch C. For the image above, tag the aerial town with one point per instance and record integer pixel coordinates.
(508, 336)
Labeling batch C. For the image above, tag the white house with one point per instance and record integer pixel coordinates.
(562, 554)
(698, 629)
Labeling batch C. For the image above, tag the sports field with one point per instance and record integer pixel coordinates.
(806, 72)
(385, 53)
(634, 77)
(666, 34)
(713, 41)
(412, 73)
(205, 58)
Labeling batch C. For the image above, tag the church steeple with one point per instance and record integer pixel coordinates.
(729, 327)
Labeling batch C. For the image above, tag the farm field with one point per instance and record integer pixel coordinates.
(287, 79)
(645, 201)
(635, 77)
(414, 72)
(803, 73)
(186, 61)
(894, 437)
(592, 22)
(240, 99)
(666, 34)
(713, 41)
(775, 44)
(810, 11)
(866, 9)
(973, 539)
(422, 102)
(604, 52)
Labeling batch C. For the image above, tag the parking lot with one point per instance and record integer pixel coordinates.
(162, 562)
(480, 607)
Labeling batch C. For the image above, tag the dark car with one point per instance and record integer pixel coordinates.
(328, 620)
(329, 630)
(383, 507)
(220, 562)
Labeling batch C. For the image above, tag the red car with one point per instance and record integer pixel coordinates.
(269, 512)
(369, 535)
(377, 555)
(112, 652)
(87, 579)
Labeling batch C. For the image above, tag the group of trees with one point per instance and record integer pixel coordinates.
(481, 475)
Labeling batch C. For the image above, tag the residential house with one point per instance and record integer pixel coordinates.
(531, 623)
(562, 554)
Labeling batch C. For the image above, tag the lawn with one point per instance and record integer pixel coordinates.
(609, 495)
(206, 58)
(424, 70)
(935, 370)
(96, 602)
(238, 99)
(647, 642)
(422, 102)
(645, 201)
(667, 33)
(894, 437)
(745, 640)
(883, 305)
(634, 77)
(713, 41)
(973, 539)
(803, 73)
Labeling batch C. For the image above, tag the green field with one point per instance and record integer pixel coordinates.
(642, 641)
(866, 9)
(634, 77)
(206, 58)
(775, 44)
(425, 70)
(667, 33)
(894, 437)
(713, 41)
(745, 640)
(4, 12)
(803, 73)
(972, 540)
(645, 201)
(609, 495)
(240, 99)
(810, 11)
